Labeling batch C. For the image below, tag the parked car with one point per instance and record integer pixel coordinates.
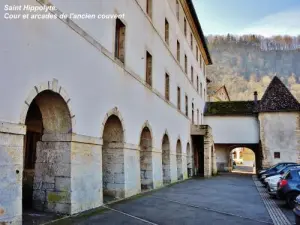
(289, 187)
(279, 173)
(272, 181)
(274, 168)
(297, 210)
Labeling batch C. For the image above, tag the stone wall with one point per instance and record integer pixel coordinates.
(279, 132)
(173, 165)
(209, 158)
(86, 174)
(132, 170)
(157, 168)
(113, 170)
(11, 170)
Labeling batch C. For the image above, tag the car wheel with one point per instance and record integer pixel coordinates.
(290, 199)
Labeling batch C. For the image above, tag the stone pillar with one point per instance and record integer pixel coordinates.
(11, 172)
(86, 174)
(132, 170)
(173, 164)
(184, 166)
(166, 167)
(157, 168)
(208, 145)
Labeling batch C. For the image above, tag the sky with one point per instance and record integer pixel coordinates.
(263, 17)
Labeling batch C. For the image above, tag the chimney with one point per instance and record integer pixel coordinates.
(255, 96)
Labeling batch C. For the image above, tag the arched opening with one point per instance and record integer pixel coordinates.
(242, 160)
(47, 155)
(166, 160)
(189, 160)
(113, 159)
(146, 159)
(179, 160)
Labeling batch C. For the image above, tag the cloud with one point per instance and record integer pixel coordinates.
(282, 23)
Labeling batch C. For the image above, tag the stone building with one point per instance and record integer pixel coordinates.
(100, 107)
(270, 127)
(216, 93)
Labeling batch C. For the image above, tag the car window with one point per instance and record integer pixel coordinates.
(286, 175)
(279, 167)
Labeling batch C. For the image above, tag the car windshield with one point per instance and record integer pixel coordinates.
(287, 168)
(278, 167)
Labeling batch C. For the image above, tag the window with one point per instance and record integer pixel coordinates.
(191, 41)
(178, 51)
(166, 31)
(184, 24)
(177, 9)
(149, 69)
(185, 63)
(192, 75)
(192, 113)
(197, 57)
(200, 61)
(120, 41)
(197, 84)
(204, 94)
(178, 98)
(201, 118)
(167, 87)
(201, 89)
(186, 105)
(277, 155)
(149, 8)
(197, 116)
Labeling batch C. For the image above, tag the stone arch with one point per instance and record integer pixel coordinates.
(113, 136)
(146, 165)
(189, 159)
(241, 152)
(114, 112)
(47, 147)
(51, 86)
(179, 160)
(166, 159)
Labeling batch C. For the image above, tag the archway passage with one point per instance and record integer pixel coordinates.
(166, 160)
(242, 160)
(47, 155)
(113, 159)
(179, 160)
(189, 160)
(146, 159)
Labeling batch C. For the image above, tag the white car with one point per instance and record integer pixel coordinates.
(272, 184)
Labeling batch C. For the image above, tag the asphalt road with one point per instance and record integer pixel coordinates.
(221, 200)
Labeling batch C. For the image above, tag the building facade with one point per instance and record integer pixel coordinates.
(100, 107)
(217, 93)
(270, 127)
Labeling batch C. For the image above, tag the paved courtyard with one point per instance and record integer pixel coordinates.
(224, 199)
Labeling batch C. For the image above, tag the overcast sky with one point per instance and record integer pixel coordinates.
(265, 17)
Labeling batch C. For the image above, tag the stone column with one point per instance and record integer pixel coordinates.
(11, 172)
(157, 168)
(184, 166)
(173, 164)
(208, 144)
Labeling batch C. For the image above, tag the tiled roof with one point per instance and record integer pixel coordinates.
(230, 108)
(277, 98)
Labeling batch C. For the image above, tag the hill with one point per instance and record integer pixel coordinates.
(247, 63)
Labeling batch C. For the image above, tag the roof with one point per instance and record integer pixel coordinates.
(199, 29)
(230, 108)
(213, 89)
(277, 98)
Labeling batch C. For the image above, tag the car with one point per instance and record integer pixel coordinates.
(279, 173)
(297, 210)
(273, 169)
(289, 187)
(272, 181)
